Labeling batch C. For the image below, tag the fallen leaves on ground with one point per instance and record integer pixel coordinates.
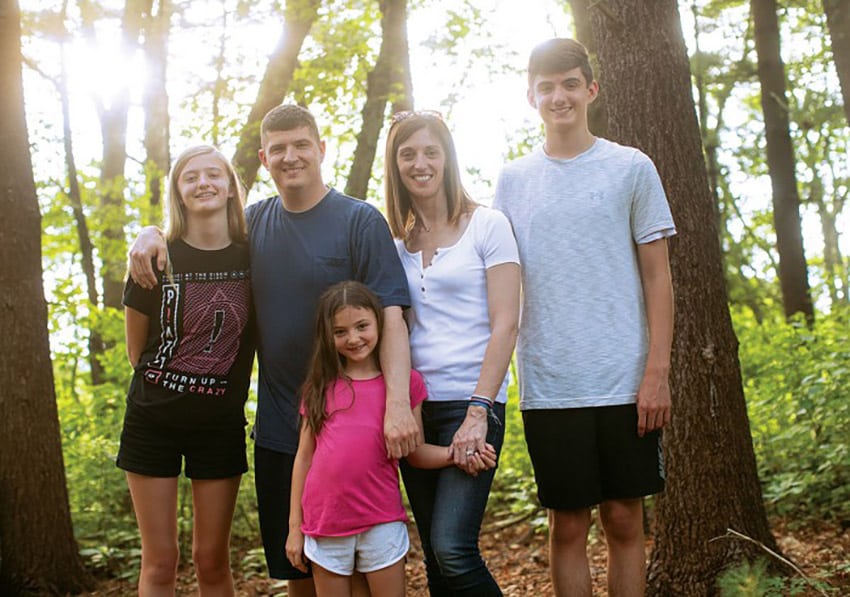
(518, 557)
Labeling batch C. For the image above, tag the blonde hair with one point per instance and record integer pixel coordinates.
(399, 208)
(176, 226)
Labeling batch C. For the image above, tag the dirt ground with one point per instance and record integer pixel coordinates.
(518, 558)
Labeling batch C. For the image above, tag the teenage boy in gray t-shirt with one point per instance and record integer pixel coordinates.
(591, 221)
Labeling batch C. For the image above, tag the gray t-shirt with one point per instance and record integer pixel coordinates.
(583, 334)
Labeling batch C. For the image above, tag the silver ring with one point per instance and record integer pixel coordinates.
(470, 452)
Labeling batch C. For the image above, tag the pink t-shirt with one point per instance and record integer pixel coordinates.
(352, 485)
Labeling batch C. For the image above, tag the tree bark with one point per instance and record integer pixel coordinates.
(113, 128)
(388, 81)
(712, 481)
(39, 554)
(838, 23)
(298, 19)
(597, 115)
(95, 343)
(155, 102)
(793, 273)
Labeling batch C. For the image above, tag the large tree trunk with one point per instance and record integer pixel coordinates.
(597, 115)
(712, 482)
(298, 19)
(155, 102)
(793, 274)
(388, 81)
(39, 554)
(838, 23)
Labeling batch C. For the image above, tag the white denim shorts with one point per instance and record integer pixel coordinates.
(379, 547)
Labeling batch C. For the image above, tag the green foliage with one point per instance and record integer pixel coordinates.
(514, 493)
(756, 579)
(797, 381)
(751, 580)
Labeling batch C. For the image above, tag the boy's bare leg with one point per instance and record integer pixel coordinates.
(568, 552)
(623, 524)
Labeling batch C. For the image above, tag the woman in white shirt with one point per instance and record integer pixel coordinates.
(463, 272)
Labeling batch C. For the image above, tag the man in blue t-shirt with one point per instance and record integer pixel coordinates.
(302, 240)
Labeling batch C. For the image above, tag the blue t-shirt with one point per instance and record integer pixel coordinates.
(294, 258)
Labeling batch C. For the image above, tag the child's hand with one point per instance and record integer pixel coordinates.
(488, 456)
(295, 549)
(481, 460)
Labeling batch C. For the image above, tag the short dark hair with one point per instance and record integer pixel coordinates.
(287, 117)
(558, 55)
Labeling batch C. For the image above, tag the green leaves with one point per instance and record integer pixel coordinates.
(797, 382)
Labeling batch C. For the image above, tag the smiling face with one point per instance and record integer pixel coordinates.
(421, 164)
(294, 159)
(355, 332)
(562, 99)
(204, 186)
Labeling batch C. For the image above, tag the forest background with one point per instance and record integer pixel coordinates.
(742, 104)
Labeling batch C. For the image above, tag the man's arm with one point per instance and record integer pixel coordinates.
(149, 244)
(400, 431)
(653, 399)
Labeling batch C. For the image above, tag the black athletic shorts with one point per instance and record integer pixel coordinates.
(153, 448)
(273, 481)
(585, 456)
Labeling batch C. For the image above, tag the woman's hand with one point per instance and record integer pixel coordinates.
(469, 439)
(295, 549)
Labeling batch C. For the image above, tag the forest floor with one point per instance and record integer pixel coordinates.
(518, 556)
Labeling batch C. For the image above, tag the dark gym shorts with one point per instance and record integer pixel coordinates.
(585, 456)
(153, 448)
(273, 481)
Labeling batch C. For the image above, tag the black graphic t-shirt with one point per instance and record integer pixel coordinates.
(196, 364)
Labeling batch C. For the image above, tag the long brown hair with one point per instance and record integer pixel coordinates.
(327, 366)
(176, 226)
(399, 208)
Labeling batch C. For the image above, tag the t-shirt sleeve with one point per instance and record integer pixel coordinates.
(499, 202)
(498, 244)
(250, 214)
(376, 262)
(142, 300)
(651, 217)
(418, 392)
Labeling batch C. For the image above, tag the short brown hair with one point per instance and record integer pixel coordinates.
(287, 117)
(558, 55)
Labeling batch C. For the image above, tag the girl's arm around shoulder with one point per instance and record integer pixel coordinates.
(303, 461)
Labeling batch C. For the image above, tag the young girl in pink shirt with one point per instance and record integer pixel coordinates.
(346, 507)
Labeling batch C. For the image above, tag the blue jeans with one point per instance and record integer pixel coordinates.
(448, 506)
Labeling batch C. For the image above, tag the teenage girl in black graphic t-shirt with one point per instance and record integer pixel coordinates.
(189, 342)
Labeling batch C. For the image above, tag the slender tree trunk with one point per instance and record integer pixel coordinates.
(95, 344)
(388, 81)
(299, 17)
(712, 482)
(113, 128)
(597, 116)
(220, 84)
(155, 101)
(793, 274)
(838, 23)
(39, 554)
